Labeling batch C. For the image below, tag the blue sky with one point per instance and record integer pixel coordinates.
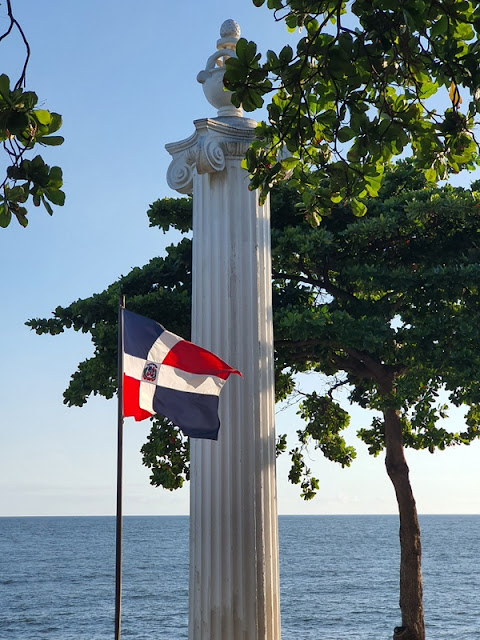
(124, 80)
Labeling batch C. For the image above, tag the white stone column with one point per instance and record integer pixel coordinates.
(234, 574)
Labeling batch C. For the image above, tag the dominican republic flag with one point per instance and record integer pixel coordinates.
(165, 374)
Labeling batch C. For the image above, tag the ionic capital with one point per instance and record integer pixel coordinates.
(207, 149)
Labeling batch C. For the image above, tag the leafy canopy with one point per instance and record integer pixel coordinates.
(392, 313)
(356, 91)
(23, 126)
(386, 306)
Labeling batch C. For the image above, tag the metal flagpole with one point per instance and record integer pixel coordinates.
(118, 561)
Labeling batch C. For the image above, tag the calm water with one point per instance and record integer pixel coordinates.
(339, 578)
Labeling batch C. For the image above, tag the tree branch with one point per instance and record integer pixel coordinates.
(14, 23)
(325, 284)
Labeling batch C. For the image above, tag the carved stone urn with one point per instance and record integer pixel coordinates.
(212, 76)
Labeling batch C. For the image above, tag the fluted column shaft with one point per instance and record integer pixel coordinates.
(234, 576)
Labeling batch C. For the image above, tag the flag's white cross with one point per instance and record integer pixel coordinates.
(169, 377)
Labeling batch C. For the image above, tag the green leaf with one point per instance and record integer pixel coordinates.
(38, 163)
(312, 26)
(354, 153)
(18, 193)
(43, 116)
(4, 85)
(55, 178)
(51, 141)
(440, 26)
(286, 55)
(55, 123)
(241, 49)
(252, 100)
(359, 208)
(26, 101)
(428, 89)
(373, 183)
(291, 22)
(272, 58)
(246, 51)
(21, 215)
(345, 134)
(56, 196)
(5, 216)
(289, 163)
(464, 31)
(47, 206)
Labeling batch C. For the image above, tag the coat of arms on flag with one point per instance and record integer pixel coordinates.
(165, 374)
(150, 372)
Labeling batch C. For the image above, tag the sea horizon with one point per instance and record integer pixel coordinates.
(186, 515)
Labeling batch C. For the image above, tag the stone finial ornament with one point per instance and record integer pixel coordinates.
(229, 35)
(212, 76)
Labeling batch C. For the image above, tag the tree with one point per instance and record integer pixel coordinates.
(358, 90)
(385, 305)
(23, 126)
(393, 313)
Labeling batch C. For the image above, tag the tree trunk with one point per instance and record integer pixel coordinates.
(411, 588)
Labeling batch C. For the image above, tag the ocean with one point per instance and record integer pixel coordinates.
(339, 577)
